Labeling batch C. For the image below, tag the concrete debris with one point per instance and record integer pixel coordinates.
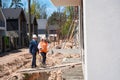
(10, 64)
(58, 47)
(71, 60)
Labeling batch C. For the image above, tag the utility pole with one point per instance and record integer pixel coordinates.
(29, 18)
(59, 24)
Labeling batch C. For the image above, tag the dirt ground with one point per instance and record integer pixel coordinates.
(13, 61)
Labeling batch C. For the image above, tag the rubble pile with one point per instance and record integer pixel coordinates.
(12, 65)
(15, 62)
(56, 59)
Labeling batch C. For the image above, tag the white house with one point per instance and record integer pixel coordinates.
(42, 24)
(102, 40)
(52, 32)
(99, 37)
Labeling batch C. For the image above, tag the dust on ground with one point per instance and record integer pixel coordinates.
(21, 59)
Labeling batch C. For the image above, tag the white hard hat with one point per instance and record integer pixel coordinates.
(44, 38)
(34, 36)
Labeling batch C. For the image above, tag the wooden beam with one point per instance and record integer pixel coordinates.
(47, 69)
(66, 2)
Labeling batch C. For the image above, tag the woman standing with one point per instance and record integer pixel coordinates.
(43, 49)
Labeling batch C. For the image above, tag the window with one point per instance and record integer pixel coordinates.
(2, 23)
(12, 24)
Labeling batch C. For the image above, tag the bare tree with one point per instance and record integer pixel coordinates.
(38, 10)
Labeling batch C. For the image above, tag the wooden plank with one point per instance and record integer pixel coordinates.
(47, 69)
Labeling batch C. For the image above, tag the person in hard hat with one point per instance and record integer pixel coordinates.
(33, 49)
(43, 49)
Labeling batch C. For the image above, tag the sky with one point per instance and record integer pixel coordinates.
(50, 7)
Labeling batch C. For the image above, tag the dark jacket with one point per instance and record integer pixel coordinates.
(33, 46)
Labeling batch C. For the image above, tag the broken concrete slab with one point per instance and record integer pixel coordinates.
(67, 51)
(71, 60)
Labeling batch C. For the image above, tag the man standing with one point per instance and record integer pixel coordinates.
(33, 49)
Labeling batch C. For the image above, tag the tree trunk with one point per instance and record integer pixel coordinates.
(29, 18)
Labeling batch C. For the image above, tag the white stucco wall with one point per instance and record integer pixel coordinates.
(102, 39)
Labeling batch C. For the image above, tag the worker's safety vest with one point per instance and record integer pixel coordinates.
(43, 46)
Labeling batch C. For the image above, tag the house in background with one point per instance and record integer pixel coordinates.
(52, 31)
(42, 23)
(34, 25)
(2, 28)
(2, 23)
(15, 25)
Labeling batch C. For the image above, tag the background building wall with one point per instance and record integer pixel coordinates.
(102, 39)
(42, 23)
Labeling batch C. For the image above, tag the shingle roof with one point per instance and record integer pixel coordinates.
(12, 13)
(42, 23)
(53, 27)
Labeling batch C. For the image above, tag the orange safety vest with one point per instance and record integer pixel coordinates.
(43, 46)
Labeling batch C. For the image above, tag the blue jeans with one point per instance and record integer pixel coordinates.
(33, 59)
(43, 57)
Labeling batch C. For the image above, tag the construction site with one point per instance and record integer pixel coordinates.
(62, 64)
(83, 38)
(65, 58)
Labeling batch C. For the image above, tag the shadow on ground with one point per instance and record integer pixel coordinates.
(9, 52)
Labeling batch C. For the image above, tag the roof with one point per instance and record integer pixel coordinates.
(12, 13)
(66, 2)
(53, 27)
(42, 23)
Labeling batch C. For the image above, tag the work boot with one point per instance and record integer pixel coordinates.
(34, 66)
(43, 65)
